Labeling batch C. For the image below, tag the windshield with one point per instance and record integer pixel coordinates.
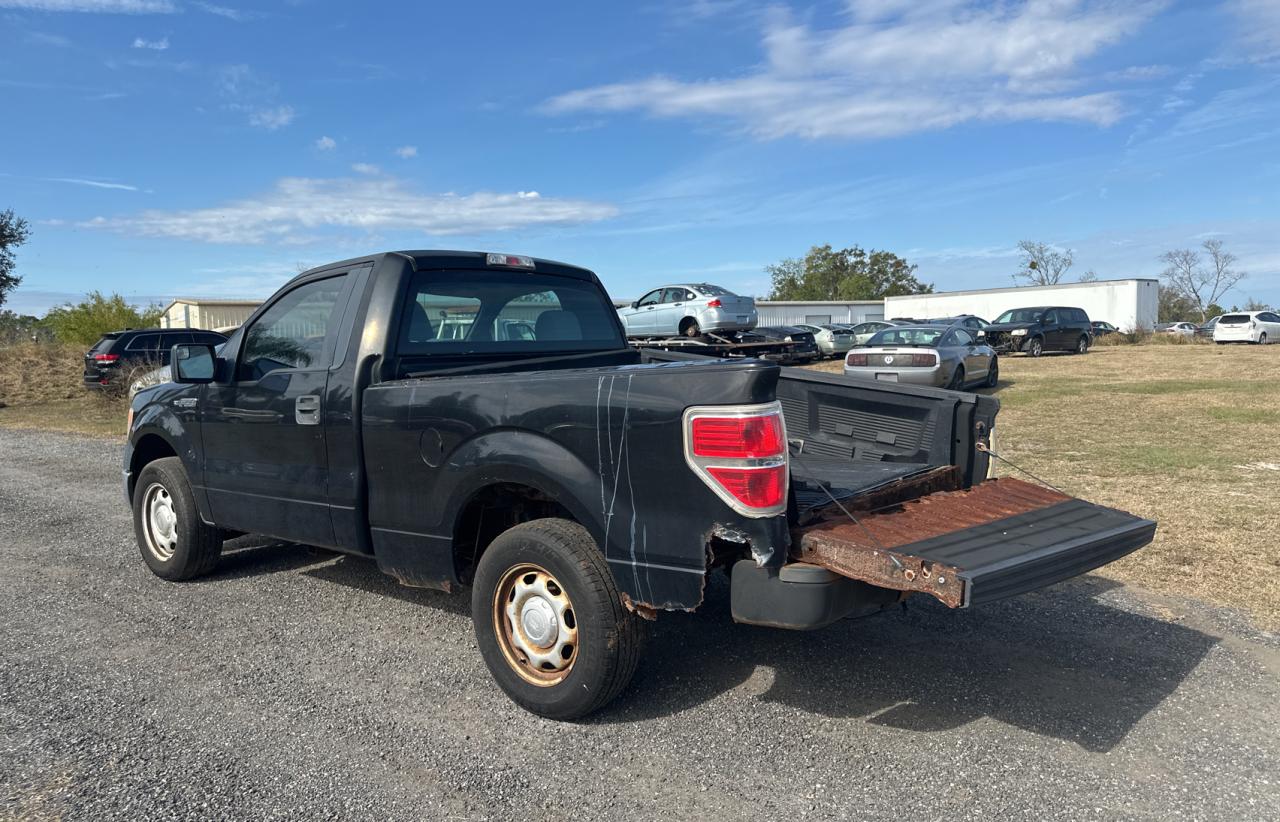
(908, 336)
(505, 312)
(1021, 315)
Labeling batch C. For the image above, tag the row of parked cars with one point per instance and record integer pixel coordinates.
(1257, 327)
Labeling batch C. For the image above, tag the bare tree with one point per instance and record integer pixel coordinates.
(1203, 285)
(1042, 264)
(1089, 276)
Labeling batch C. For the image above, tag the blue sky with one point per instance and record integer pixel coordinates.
(171, 147)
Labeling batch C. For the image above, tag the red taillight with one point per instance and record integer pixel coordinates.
(754, 487)
(737, 437)
(105, 357)
(741, 453)
(924, 360)
(856, 359)
(715, 303)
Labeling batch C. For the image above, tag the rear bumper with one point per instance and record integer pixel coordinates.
(800, 597)
(715, 319)
(911, 376)
(1243, 334)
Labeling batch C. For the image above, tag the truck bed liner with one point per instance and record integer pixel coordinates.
(1000, 538)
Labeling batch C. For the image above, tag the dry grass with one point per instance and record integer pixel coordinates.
(1188, 435)
(41, 387)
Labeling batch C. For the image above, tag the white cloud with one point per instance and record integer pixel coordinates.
(41, 38)
(91, 183)
(1259, 27)
(405, 152)
(229, 13)
(154, 45)
(897, 67)
(297, 210)
(101, 6)
(326, 144)
(365, 168)
(271, 118)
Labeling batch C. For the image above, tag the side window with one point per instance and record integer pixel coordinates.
(170, 340)
(673, 295)
(291, 333)
(1267, 316)
(963, 337)
(652, 298)
(1051, 317)
(148, 343)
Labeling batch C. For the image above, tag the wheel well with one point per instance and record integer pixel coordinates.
(148, 449)
(686, 322)
(492, 510)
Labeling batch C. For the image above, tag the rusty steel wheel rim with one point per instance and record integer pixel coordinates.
(536, 627)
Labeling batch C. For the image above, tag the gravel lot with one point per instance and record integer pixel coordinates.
(295, 683)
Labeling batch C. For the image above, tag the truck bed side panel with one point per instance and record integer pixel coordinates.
(607, 444)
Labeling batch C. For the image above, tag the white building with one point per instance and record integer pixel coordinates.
(211, 315)
(1126, 304)
(818, 312)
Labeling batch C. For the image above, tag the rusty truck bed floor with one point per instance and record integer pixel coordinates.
(1000, 538)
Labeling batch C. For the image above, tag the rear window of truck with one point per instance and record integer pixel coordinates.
(505, 312)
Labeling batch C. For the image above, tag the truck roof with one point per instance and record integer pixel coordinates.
(444, 258)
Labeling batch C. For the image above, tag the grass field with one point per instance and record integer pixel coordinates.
(1188, 435)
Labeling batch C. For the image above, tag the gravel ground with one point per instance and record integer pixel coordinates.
(294, 683)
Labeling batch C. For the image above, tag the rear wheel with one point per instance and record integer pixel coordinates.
(993, 373)
(175, 543)
(1082, 345)
(689, 327)
(1262, 338)
(957, 379)
(1036, 347)
(550, 621)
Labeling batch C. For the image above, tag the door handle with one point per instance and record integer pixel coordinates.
(306, 410)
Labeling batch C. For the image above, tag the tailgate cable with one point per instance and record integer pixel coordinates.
(799, 447)
(986, 449)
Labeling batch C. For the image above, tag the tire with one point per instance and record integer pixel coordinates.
(570, 601)
(1262, 338)
(1082, 345)
(993, 373)
(957, 379)
(1036, 347)
(689, 328)
(174, 542)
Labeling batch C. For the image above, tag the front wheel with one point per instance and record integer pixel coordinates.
(1036, 347)
(175, 543)
(550, 621)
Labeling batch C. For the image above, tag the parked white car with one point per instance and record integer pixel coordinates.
(832, 340)
(688, 310)
(1181, 329)
(1260, 327)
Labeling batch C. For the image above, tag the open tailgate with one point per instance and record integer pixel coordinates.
(997, 539)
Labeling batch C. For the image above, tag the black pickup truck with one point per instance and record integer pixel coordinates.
(472, 419)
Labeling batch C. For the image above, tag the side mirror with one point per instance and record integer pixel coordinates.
(193, 363)
(635, 304)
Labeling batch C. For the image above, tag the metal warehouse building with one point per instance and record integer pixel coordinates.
(189, 312)
(1126, 304)
(790, 312)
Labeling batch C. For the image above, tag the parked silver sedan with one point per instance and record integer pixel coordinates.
(925, 355)
(688, 310)
(832, 340)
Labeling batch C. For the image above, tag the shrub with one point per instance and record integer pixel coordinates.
(83, 323)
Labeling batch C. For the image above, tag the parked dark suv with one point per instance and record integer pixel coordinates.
(1036, 330)
(113, 356)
